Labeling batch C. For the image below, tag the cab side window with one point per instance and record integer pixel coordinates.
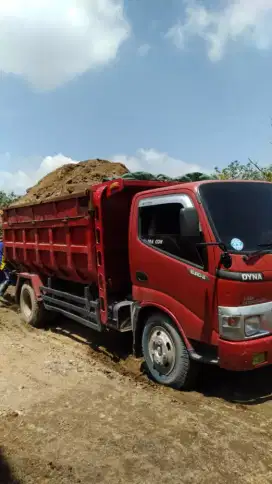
(159, 226)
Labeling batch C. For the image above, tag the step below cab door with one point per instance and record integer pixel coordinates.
(169, 269)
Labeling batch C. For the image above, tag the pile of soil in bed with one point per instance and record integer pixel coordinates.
(71, 178)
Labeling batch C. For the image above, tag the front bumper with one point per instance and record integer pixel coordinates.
(242, 355)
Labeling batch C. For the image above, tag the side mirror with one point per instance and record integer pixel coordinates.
(226, 260)
(189, 222)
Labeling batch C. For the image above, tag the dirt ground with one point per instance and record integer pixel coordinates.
(75, 407)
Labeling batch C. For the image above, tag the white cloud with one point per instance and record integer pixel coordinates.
(155, 162)
(50, 163)
(246, 20)
(148, 160)
(49, 42)
(144, 49)
(19, 181)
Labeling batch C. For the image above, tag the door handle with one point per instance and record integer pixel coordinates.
(141, 276)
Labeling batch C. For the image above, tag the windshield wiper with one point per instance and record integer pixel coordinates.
(268, 245)
(221, 245)
(264, 249)
(225, 259)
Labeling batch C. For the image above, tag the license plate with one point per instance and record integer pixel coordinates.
(258, 358)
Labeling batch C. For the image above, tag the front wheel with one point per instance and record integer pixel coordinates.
(166, 355)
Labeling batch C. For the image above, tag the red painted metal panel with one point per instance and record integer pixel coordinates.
(53, 238)
(33, 279)
(238, 356)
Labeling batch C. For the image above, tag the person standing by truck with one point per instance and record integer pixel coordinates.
(5, 274)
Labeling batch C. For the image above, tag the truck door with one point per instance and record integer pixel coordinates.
(170, 270)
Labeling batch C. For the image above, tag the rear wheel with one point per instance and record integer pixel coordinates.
(166, 355)
(32, 310)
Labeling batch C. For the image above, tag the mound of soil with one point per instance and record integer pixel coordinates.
(72, 178)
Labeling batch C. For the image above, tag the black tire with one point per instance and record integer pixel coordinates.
(32, 311)
(176, 372)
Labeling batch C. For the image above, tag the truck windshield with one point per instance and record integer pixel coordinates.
(240, 213)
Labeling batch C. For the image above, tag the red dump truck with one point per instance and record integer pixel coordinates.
(187, 268)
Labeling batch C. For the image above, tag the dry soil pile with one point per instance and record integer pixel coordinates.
(72, 178)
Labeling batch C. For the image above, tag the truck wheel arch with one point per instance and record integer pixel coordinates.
(33, 280)
(140, 316)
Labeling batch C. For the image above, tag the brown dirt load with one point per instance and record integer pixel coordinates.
(76, 408)
(72, 178)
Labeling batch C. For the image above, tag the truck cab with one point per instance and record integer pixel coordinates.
(201, 254)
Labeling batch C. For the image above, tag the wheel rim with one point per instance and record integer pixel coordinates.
(162, 350)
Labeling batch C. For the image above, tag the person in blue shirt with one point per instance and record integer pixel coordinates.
(6, 276)
(1, 250)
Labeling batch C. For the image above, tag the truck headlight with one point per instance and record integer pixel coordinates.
(252, 325)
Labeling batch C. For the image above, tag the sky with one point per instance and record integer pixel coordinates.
(165, 86)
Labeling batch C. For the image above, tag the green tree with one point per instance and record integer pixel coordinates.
(7, 198)
(250, 171)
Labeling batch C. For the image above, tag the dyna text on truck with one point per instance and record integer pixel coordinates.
(187, 268)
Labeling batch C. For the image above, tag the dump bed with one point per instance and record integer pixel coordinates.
(70, 237)
(55, 238)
